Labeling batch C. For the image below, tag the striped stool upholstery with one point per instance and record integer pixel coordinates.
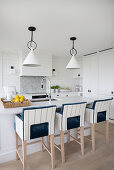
(71, 116)
(34, 123)
(96, 113)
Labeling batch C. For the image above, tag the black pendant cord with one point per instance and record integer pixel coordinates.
(73, 45)
(32, 44)
(31, 36)
(73, 51)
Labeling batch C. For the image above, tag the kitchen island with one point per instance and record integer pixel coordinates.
(7, 133)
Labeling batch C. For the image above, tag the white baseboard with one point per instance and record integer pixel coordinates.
(8, 156)
(11, 155)
(111, 121)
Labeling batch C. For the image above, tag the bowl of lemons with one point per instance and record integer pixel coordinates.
(18, 98)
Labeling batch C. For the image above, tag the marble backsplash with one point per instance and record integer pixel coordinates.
(30, 84)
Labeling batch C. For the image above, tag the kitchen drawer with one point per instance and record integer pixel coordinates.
(64, 94)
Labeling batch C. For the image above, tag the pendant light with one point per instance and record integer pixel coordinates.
(31, 60)
(73, 63)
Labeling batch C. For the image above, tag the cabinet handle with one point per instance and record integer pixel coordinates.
(57, 94)
(112, 92)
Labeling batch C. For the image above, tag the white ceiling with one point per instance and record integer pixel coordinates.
(91, 21)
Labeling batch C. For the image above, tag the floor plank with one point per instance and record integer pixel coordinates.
(101, 159)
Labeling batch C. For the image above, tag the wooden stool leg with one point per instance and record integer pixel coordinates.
(107, 132)
(68, 136)
(52, 151)
(17, 157)
(76, 133)
(82, 139)
(42, 142)
(62, 146)
(24, 155)
(93, 136)
(48, 142)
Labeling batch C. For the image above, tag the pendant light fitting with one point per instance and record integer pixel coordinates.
(73, 51)
(31, 60)
(32, 44)
(73, 63)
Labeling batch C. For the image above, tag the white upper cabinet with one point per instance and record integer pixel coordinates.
(45, 68)
(106, 72)
(90, 75)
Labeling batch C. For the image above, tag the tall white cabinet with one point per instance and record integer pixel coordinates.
(98, 76)
(90, 75)
(106, 72)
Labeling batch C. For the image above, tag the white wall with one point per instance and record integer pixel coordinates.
(0, 75)
(6, 79)
(65, 77)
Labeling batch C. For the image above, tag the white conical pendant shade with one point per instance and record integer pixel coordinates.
(31, 60)
(73, 63)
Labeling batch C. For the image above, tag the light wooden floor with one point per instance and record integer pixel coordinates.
(101, 159)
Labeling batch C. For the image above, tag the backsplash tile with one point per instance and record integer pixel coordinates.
(30, 84)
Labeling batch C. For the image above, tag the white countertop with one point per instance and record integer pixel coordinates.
(58, 103)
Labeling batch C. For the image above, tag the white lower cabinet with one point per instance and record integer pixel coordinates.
(64, 94)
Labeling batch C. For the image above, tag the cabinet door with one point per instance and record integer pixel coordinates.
(106, 72)
(90, 75)
(94, 74)
(86, 76)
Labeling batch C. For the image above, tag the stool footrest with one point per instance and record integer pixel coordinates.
(47, 149)
(88, 138)
(57, 147)
(20, 157)
(75, 140)
(31, 143)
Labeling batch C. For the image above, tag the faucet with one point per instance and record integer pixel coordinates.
(47, 79)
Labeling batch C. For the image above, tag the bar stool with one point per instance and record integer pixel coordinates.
(70, 117)
(35, 122)
(96, 113)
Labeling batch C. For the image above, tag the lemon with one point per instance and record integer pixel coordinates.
(17, 100)
(21, 99)
(13, 100)
(17, 97)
